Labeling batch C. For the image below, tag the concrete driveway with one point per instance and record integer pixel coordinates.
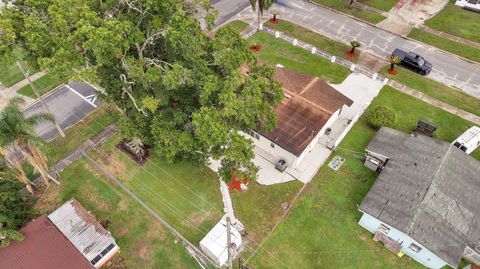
(68, 103)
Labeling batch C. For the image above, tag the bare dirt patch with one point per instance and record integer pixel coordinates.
(371, 62)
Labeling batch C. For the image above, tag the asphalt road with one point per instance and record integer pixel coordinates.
(69, 104)
(228, 8)
(447, 69)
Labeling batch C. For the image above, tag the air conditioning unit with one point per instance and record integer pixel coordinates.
(281, 165)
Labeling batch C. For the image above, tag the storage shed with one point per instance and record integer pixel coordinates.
(82, 229)
(215, 246)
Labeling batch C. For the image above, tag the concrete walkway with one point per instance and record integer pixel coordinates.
(402, 18)
(7, 94)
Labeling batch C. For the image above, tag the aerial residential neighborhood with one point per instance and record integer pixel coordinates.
(240, 134)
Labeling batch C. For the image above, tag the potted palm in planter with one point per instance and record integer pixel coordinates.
(354, 44)
(393, 61)
(275, 13)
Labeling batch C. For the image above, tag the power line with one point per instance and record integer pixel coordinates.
(171, 207)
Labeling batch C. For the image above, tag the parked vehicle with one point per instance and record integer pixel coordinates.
(468, 141)
(413, 61)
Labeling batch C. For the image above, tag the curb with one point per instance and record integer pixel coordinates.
(47, 94)
(404, 37)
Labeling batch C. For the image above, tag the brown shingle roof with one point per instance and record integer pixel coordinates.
(44, 247)
(310, 102)
(313, 89)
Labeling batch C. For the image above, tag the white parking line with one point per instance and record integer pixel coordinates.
(87, 99)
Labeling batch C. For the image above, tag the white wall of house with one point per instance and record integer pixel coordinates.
(281, 154)
(424, 256)
(312, 144)
(275, 151)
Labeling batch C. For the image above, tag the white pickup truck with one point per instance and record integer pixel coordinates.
(468, 141)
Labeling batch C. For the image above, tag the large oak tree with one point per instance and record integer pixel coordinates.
(179, 89)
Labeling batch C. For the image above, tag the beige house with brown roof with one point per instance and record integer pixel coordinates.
(309, 108)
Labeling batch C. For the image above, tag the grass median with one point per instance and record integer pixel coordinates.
(436, 90)
(43, 85)
(342, 6)
(321, 42)
(277, 51)
(446, 44)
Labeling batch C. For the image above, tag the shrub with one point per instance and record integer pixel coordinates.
(381, 116)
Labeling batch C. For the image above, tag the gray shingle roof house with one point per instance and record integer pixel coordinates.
(426, 201)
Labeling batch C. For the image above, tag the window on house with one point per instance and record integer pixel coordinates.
(415, 248)
(254, 134)
(384, 229)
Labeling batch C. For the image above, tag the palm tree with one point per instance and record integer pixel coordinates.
(263, 5)
(394, 59)
(17, 136)
(355, 44)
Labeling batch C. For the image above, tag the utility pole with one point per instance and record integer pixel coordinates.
(229, 243)
(59, 129)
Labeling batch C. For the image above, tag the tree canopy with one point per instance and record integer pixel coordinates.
(179, 89)
(14, 209)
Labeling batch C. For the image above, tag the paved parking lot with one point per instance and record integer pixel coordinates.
(68, 104)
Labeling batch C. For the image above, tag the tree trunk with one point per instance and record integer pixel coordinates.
(352, 50)
(392, 65)
(259, 18)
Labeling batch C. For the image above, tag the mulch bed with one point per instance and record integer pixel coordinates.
(276, 21)
(351, 55)
(122, 146)
(256, 48)
(392, 72)
(235, 184)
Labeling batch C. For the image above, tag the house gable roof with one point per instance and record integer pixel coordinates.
(44, 247)
(81, 228)
(305, 110)
(428, 190)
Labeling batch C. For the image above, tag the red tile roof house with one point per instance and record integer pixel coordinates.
(70, 238)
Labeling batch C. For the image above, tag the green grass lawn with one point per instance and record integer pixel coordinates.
(384, 5)
(10, 74)
(321, 42)
(238, 25)
(277, 51)
(60, 147)
(436, 90)
(457, 21)
(366, 15)
(446, 44)
(43, 85)
(321, 231)
(143, 242)
(185, 194)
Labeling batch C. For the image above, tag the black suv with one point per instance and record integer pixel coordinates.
(413, 61)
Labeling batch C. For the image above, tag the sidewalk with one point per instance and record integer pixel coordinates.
(397, 85)
(8, 93)
(450, 37)
(435, 102)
